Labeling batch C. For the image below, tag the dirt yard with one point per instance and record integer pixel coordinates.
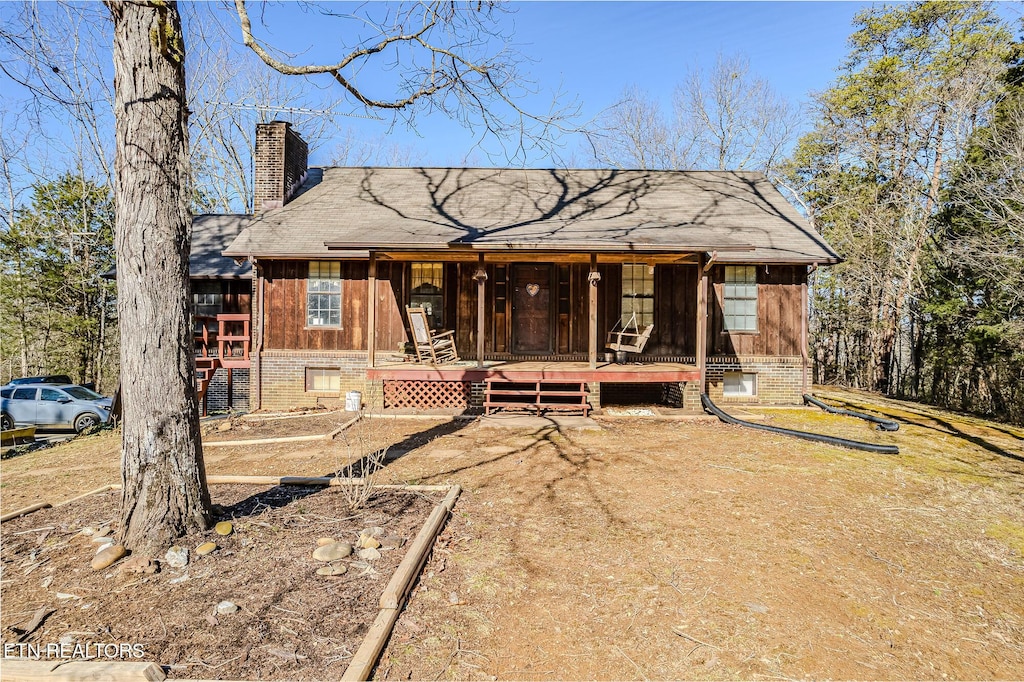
(668, 549)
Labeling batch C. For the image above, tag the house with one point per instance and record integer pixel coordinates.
(531, 269)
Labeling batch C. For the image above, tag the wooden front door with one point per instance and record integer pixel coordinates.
(531, 309)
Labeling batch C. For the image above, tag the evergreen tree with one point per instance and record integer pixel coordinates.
(54, 299)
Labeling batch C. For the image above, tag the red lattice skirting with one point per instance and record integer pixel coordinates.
(427, 395)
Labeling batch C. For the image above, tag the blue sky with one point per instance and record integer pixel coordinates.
(593, 50)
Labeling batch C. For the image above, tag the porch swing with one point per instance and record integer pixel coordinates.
(628, 338)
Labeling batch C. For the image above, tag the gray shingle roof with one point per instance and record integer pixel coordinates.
(739, 213)
(210, 235)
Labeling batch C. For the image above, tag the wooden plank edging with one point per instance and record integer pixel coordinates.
(238, 480)
(25, 510)
(394, 595)
(284, 439)
(101, 489)
(397, 588)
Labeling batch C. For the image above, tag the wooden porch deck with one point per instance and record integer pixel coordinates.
(610, 372)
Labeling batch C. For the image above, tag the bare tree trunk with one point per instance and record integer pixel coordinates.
(165, 493)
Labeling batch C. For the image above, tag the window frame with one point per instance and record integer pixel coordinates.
(643, 317)
(34, 389)
(313, 288)
(324, 372)
(436, 322)
(742, 376)
(750, 295)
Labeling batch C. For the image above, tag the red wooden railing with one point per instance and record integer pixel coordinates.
(226, 345)
(229, 341)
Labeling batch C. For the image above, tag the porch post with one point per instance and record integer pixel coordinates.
(371, 312)
(481, 279)
(702, 323)
(593, 278)
(804, 312)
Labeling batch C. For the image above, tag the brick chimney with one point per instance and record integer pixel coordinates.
(279, 165)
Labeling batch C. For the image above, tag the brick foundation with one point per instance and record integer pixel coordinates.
(217, 391)
(779, 379)
(283, 382)
(283, 378)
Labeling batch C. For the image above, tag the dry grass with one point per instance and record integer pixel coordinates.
(689, 550)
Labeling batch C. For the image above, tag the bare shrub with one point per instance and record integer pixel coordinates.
(365, 446)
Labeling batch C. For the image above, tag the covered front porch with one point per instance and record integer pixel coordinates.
(535, 332)
(545, 314)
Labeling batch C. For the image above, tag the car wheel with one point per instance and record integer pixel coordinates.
(86, 420)
(6, 423)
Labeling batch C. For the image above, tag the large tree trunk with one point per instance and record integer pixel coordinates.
(165, 493)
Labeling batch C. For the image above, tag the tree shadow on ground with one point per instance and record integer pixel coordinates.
(371, 462)
(273, 498)
(934, 423)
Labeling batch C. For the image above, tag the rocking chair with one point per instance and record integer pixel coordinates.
(436, 348)
(628, 338)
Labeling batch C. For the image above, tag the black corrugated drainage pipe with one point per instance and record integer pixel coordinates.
(831, 440)
(879, 422)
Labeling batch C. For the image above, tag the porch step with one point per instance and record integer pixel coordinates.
(536, 396)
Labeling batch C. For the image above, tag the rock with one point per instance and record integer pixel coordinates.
(453, 598)
(180, 579)
(369, 553)
(373, 531)
(368, 541)
(107, 556)
(66, 640)
(104, 530)
(101, 540)
(177, 557)
(87, 531)
(332, 569)
(226, 607)
(139, 564)
(391, 542)
(224, 425)
(224, 528)
(66, 595)
(320, 542)
(205, 548)
(333, 551)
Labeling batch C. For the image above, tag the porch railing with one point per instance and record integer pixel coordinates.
(226, 337)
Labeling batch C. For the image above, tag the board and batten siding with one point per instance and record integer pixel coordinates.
(779, 314)
(674, 335)
(285, 322)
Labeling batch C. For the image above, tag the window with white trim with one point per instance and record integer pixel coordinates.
(739, 300)
(637, 294)
(323, 379)
(323, 294)
(739, 384)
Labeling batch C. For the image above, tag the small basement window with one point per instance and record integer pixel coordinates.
(323, 379)
(739, 384)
